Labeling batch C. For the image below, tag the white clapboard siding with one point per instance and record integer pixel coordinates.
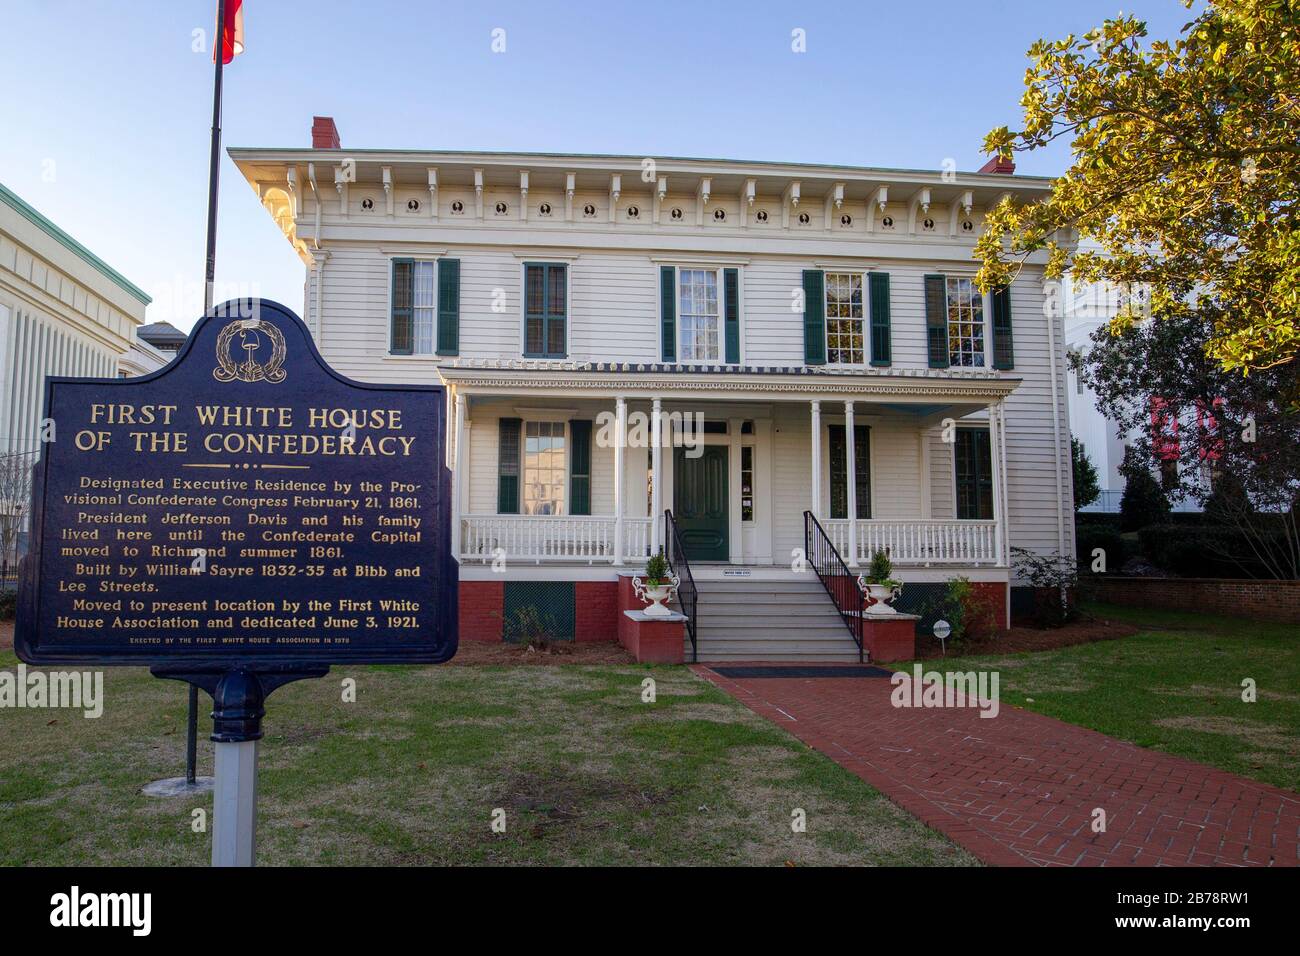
(614, 316)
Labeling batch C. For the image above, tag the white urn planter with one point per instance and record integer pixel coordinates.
(882, 594)
(657, 595)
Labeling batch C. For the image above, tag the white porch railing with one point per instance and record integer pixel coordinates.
(537, 538)
(919, 541)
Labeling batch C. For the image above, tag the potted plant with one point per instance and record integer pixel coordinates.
(657, 587)
(880, 586)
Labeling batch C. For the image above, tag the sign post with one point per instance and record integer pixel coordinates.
(243, 518)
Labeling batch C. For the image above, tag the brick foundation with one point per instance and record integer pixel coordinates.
(597, 610)
(482, 604)
(1277, 601)
(995, 594)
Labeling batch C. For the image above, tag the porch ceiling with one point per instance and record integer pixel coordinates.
(922, 392)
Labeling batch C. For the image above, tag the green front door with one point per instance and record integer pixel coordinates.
(700, 502)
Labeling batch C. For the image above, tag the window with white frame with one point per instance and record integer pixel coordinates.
(965, 323)
(424, 301)
(544, 468)
(845, 317)
(699, 314)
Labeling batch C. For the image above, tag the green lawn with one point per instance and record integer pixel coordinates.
(1174, 686)
(410, 774)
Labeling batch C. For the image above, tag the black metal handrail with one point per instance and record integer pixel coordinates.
(687, 595)
(835, 577)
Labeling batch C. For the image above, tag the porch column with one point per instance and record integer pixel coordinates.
(815, 506)
(656, 476)
(735, 541)
(620, 439)
(1004, 556)
(995, 456)
(458, 475)
(850, 448)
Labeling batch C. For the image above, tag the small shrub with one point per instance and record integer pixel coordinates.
(1088, 538)
(881, 570)
(1053, 578)
(1144, 501)
(656, 569)
(8, 603)
(529, 628)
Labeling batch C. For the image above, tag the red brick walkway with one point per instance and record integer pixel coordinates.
(1019, 789)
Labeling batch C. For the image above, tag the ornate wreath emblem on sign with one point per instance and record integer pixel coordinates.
(253, 335)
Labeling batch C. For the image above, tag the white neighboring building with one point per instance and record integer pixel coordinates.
(1088, 308)
(141, 359)
(63, 311)
(822, 320)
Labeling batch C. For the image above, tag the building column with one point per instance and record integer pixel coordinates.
(656, 476)
(735, 540)
(850, 449)
(1005, 555)
(995, 456)
(620, 439)
(815, 506)
(458, 475)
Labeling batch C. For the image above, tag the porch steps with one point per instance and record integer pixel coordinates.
(756, 620)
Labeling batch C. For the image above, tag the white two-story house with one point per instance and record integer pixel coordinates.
(645, 353)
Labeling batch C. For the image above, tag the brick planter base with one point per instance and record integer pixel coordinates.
(653, 640)
(891, 638)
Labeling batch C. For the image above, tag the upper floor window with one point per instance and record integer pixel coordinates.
(425, 307)
(845, 318)
(965, 323)
(697, 291)
(545, 309)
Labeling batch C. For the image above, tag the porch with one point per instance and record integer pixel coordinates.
(559, 466)
(591, 540)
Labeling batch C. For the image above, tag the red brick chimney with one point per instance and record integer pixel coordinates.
(995, 165)
(324, 134)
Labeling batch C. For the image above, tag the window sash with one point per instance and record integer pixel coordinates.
(545, 309)
(699, 315)
(966, 330)
(545, 468)
(845, 319)
(746, 482)
(839, 469)
(973, 467)
(424, 302)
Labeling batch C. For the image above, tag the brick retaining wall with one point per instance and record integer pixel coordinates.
(1261, 600)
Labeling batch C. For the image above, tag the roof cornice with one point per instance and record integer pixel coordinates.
(54, 232)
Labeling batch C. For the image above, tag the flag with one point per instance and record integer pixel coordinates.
(231, 32)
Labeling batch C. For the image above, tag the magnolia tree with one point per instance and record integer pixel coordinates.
(1185, 175)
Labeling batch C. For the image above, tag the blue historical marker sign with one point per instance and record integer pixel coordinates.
(244, 508)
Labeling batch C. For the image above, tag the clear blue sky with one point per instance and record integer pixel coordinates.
(105, 112)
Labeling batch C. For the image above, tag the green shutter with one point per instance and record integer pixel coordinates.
(936, 320)
(401, 315)
(448, 306)
(668, 313)
(580, 467)
(731, 292)
(878, 284)
(1003, 354)
(814, 317)
(508, 456)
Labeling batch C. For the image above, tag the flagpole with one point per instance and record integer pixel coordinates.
(209, 274)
